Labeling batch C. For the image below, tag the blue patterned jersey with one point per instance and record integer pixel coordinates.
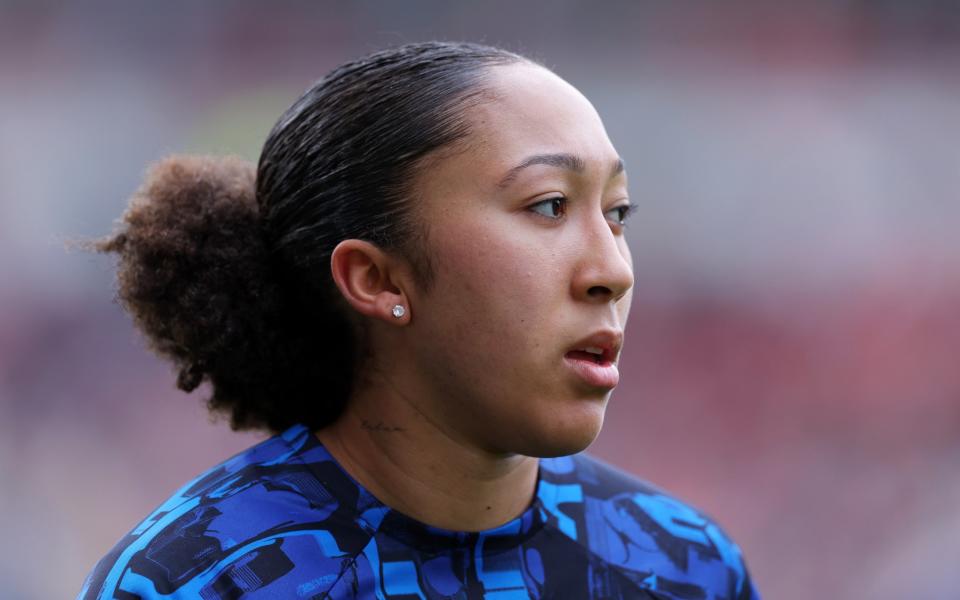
(282, 519)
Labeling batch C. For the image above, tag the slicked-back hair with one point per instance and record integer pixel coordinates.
(226, 267)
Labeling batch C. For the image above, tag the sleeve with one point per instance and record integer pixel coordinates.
(731, 554)
(748, 590)
(95, 584)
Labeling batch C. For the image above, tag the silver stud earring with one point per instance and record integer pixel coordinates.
(399, 311)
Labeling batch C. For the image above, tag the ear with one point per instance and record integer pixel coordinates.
(370, 280)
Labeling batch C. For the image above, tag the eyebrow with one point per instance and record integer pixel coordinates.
(570, 162)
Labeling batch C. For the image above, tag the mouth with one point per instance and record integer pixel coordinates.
(593, 359)
(600, 356)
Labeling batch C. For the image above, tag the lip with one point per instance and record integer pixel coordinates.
(599, 372)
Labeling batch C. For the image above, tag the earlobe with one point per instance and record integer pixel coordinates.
(364, 275)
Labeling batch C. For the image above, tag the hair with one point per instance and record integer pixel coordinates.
(225, 267)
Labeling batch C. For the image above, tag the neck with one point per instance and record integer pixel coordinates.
(412, 464)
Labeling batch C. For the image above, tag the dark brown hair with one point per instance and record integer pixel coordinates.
(226, 267)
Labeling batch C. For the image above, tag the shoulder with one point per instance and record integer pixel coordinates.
(277, 508)
(661, 541)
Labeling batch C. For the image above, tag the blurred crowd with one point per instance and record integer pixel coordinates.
(790, 357)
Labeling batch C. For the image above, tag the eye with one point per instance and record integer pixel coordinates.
(552, 208)
(620, 214)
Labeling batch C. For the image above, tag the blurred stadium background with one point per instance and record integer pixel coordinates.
(792, 357)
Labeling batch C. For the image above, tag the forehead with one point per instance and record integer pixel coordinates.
(534, 110)
(528, 110)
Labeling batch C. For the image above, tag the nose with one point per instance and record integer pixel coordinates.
(604, 271)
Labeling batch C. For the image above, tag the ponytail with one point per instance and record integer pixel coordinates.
(195, 275)
(226, 268)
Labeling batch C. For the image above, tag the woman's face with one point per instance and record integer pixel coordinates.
(532, 273)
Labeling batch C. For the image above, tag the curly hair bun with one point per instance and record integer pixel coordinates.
(226, 267)
(193, 273)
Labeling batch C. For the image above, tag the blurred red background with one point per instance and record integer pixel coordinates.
(790, 359)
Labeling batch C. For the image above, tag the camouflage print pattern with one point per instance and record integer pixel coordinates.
(282, 519)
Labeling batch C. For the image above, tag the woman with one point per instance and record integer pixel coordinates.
(421, 291)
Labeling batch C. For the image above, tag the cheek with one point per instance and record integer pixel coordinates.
(497, 263)
(624, 248)
(496, 289)
(623, 306)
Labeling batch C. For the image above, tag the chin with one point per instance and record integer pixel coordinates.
(562, 435)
